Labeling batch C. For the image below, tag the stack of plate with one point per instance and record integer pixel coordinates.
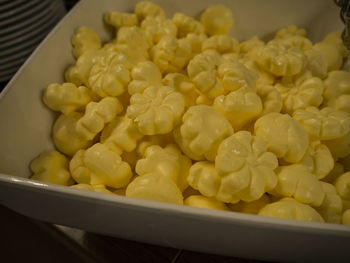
(23, 25)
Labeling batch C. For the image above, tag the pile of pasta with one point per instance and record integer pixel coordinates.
(178, 111)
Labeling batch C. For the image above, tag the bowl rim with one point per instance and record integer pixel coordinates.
(182, 210)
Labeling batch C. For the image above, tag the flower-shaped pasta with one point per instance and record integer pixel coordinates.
(297, 181)
(202, 130)
(318, 159)
(248, 45)
(307, 93)
(66, 98)
(118, 20)
(196, 41)
(171, 54)
(342, 185)
(202, 71)
(332, 206)
(187, 25)
(156, 27)
(97, 114)
(294, 36)
(51, 167)
(110, 75)
(98, 165)
(106, 167)
(337, 90)
(166, 161)
(324, 124)
(156, 110)
(264, 77)
(182, 84)
(133, 42)
(79, 73)
(288, 208)
(161, 139)
(291, 30)
(205, 202)
(270, 98)
(243, 170)
(279, 59)
(285, 137)
(143, 75)
(232, 57)
(239, 107)
(316, 64)
(245, 167)
(155, 187)
(222, 44)
(144, 9)
(121, 134)
(135, 54)
(204, 178)
(85, 39)
(80, 173)
(65, 136)
(234, 75)
(217, 19)
(332, 50)
(300, 42)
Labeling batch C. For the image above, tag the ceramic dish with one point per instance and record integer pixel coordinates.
(25, 132)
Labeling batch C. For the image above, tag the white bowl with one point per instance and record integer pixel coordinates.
(25, 132)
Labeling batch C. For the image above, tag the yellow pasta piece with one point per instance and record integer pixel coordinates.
(155, 187)
(205, 202)
(202, 130)
(280, 59)
(288, 208)
(51, 167)
(187, 25)
(66, 98)
(143, 75)
(156, 110)
(97, 114)
(239, 107)
(217, 19)
(65, 136)
(297, 181)
(85, 39)
(120, 135)
(106, 167)
(167, 161)
(285, 137)
(117, 19)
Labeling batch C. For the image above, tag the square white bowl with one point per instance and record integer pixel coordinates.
(26, 129)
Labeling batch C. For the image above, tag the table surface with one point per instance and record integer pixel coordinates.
(27, 240)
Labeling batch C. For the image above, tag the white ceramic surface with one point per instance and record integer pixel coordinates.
(25, 132)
